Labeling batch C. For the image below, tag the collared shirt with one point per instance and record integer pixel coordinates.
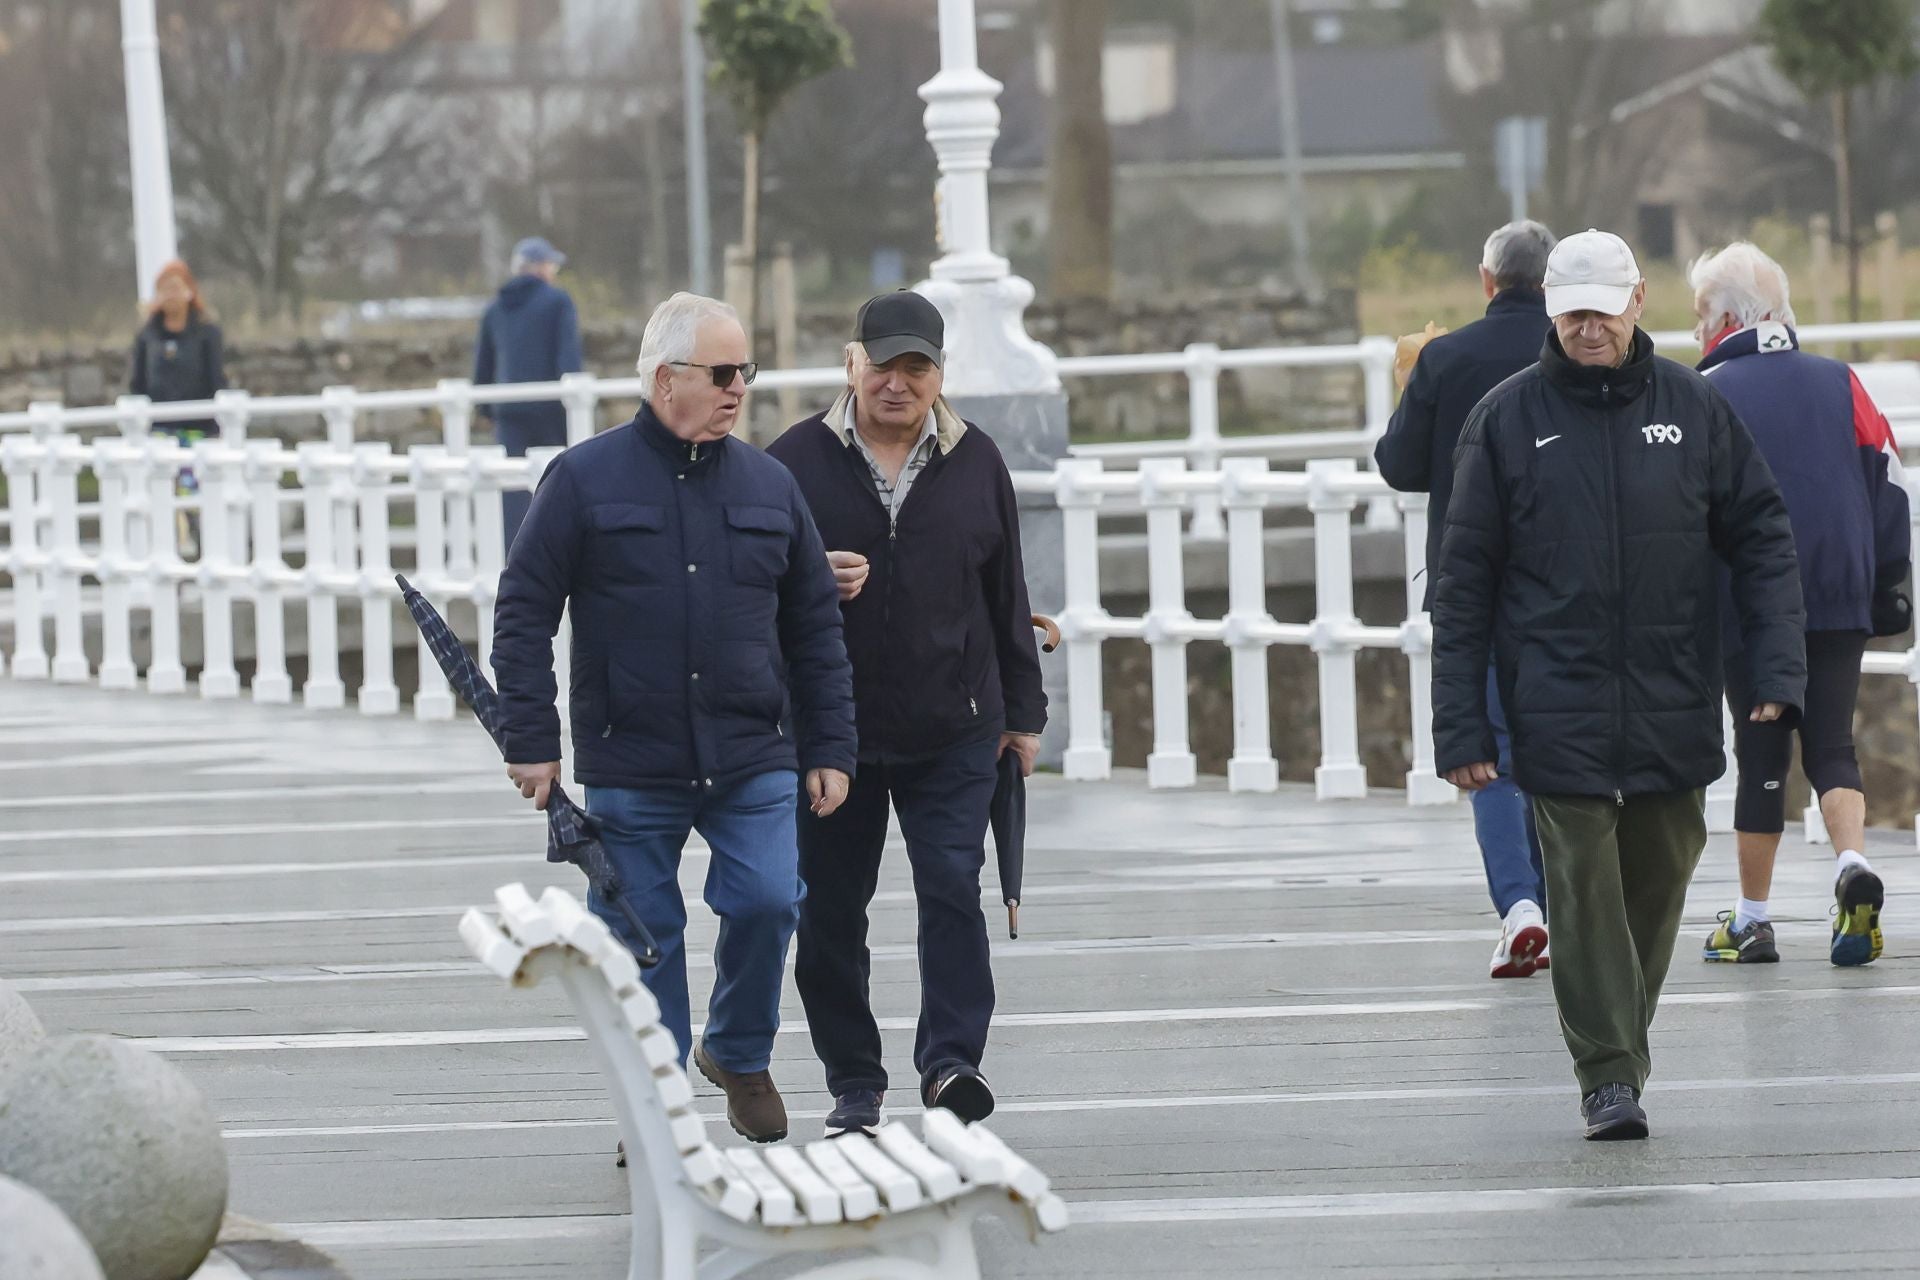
(893, 492)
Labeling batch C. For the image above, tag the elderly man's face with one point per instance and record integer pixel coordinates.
(684, 395)
(1594, 337)
(896, 395)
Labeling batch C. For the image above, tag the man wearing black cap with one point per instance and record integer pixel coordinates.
(918, 512)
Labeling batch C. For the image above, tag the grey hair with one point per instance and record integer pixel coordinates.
(1516, 255)
(672, 331)
(517, 264)
(1743, 282)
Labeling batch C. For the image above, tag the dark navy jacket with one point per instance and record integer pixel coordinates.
(703, 612)
(1453, 372)
(1592, 509)
(941, 635)
(530, 333)
(1830, 449)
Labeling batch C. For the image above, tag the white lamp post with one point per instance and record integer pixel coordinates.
(989, 350)
(153, 233)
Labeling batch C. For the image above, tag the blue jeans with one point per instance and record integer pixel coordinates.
(1503, 823)
(753, 885)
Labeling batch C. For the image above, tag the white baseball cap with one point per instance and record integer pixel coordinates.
(1591, 271)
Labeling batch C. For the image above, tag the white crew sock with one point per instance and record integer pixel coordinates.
(1749, 910)
(1849, 858)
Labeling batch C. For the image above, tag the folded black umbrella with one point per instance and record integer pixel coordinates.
(572, 834)
(1008, 813)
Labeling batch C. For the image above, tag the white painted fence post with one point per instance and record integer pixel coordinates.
(65, 456)
(1171, 763)
(266, 463)
(115, 466)
(1416, 641)
(378, 696)
(1340, 775)
(1376, 364)
(433, 700)
(490, 544)
(456, 424)
(1088, 756)
(323, 690)
(1252, 766)
(580, 395)
(1203, 432)
(220, 463)
(165, 571)
(19, 458)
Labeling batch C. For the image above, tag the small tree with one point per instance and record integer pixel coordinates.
(1829, 48)
(761, 51)
(1079, 156)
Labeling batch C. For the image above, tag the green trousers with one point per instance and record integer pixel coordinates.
(1617, 878)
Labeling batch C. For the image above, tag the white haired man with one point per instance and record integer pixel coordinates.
(709, 676)
(1450, 372)
(1839, 472)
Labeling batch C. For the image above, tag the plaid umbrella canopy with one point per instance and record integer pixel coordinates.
(572, 834)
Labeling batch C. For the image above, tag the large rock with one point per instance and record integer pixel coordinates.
(124, 1144)
(20, 1029)
(36, 1240)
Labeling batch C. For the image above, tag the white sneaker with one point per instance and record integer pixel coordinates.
(1523, 943)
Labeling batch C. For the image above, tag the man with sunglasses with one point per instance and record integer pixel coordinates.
(920, 514)
(709, 677)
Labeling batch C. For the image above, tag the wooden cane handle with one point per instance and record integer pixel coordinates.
(1050, 630)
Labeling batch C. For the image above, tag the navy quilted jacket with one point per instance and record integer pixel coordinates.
(706, 626)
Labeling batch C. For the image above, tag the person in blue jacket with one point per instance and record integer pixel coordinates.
(708, 678)
(1839, 471)
(1450, 374)
(530, 333)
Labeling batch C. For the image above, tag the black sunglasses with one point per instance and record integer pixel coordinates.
(723, 374)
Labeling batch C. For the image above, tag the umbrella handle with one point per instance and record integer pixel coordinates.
(1013, 917)
(1050, 631)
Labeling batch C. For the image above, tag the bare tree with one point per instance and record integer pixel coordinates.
(1079, 155)
(298, 128)
(64, 242)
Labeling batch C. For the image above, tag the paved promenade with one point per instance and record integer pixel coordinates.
(1246, 1036)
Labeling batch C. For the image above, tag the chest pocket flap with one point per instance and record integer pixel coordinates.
(760, 520)
(757, 542)
(610, 517)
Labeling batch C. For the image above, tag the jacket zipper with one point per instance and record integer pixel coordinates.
(1619, 598)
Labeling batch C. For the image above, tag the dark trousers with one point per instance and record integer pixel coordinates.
(519, 434)
(1617, 876)
(942, 805)
(1765, 750)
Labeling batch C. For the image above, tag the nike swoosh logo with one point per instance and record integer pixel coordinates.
(1549, 440)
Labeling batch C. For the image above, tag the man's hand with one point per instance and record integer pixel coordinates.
(849, 572)
(535, 780)
(1024, 745)
(1407, 350)
(1473, 777)
(1767, 711)
(826, 791)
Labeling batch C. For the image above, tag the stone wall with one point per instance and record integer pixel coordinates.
(1101, 408)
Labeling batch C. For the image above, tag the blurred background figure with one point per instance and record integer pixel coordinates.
(530, 333)
(178, 355)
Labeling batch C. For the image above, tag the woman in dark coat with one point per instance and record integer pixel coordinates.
(177, 354)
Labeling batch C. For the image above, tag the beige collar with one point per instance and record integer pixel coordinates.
(948, 427)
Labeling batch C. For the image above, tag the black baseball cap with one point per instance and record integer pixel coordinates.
(896, 323)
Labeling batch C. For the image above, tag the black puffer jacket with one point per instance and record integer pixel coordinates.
(1592, 508)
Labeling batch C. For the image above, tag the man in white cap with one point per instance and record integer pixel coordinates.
(1596, 496)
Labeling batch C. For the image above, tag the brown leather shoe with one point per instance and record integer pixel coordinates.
(754, 1108)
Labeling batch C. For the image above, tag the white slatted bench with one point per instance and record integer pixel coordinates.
(908, 1202)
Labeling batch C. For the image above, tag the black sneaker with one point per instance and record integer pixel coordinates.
(856, 1111)
(960, 1089)
(1613, 1112)
(1858, 896)
(1751, 945)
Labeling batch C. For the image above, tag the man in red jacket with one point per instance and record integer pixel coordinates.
(918, 514)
